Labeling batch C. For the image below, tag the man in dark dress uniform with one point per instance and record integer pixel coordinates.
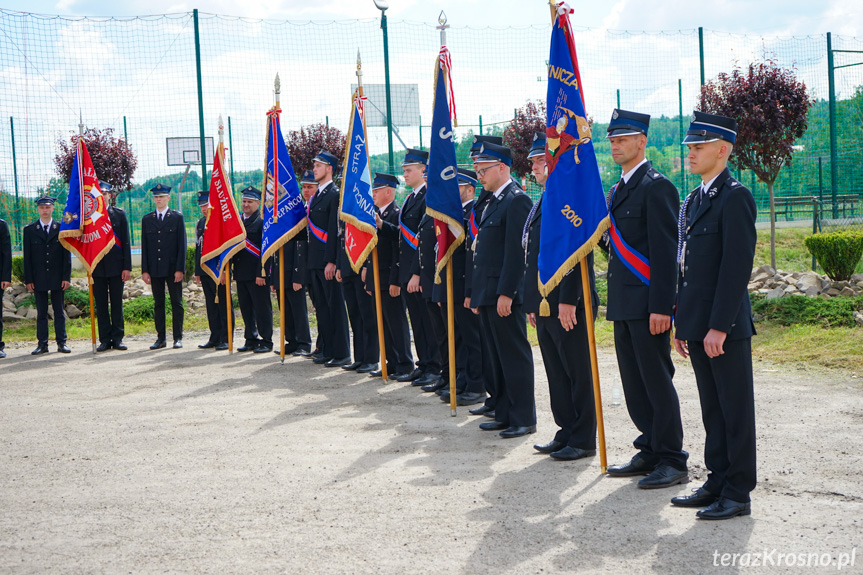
(468, 355)
(5, 274)
(163, 263)
(713, 323)
(298, 338)
(563, 337)
(497, 292)
(109, 277)
(47, 271)
(217, 312)
(323, 249)
(644, 206)
(412, 211)
(253, 291)
(397, 335)
(309, 189)
(424, 268)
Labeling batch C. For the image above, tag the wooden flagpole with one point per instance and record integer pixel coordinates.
(450, 320)
(92, 311)
(278, 86)
(81, 212)
(228, 303)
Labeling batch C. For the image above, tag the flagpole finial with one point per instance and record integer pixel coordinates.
(277, 85)
(221, 129)
(80, 122)
(442, 19)
(359, 70)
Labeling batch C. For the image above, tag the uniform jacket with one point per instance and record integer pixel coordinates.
(498, 263)
(645, 211)
(163, 244)
(199, 242)
(246, 265)
(324, 214)
(412, 212)
(719, 249)
(388, 250)
(295, 262)
(426, 261)
(459, 265)
(5, 253)
(46, 262)
(568, 291)
(119, 258)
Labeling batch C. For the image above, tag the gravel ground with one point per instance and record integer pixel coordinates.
(195, 461)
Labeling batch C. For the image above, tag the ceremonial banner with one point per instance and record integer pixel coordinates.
(443, 201)
(574, 214)
(85, 229)
(280, 189)
(356, 207)
(224, 233)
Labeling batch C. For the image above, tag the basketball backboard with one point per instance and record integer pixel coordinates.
(185, 151)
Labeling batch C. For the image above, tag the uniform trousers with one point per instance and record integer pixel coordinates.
(428, 355)
(256, 307)
(175, 292)
(332, 316)
(56, 297)
(361, 313)
(217, 312)
(297, 333)
(109, 290)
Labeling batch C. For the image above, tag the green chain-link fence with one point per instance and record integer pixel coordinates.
(139, 76)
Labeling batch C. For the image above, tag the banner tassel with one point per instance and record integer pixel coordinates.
(544, 308)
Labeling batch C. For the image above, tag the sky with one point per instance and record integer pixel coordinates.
(786, 17)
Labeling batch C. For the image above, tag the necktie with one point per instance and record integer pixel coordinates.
(45, 228)
(161, 217)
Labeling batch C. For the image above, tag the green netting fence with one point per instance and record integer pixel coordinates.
(139, 76)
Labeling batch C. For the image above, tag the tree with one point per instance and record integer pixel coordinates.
(113, 159)
(771, 109)
(518, 134)
(304, 144)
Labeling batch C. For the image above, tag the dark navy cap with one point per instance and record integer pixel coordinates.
(45, 201)
(466, 177)
(203, 199)
(324, 157)
(385, 181)
(413, 157)
(161, 190)
(709, 128)
(538, 147)
(479, 140)
(252, 193)
(104, 186)
(625, 123)
(308, 177)
(489, 152)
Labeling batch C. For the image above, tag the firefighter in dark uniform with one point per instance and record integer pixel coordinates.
(424, 267)
(468, 354)
(109, 277)
(412, 211)
(163, 263)
(397, 335)
(644, 206)
(497, 294)
(253, 291)
(47, 271)
(713, 321)
(5, 274)
(298, 338)
(323, 249)
(217, 311)
(562, 335)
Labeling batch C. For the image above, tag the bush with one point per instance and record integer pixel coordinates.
(190, 263)
(140, 309)
(78, 297)
(18, 268)
(796, 309)
(837, 253)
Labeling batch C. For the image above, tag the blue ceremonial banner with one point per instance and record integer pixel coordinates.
(443, 201)
(280, 189)
(574, 214)
(356, 207)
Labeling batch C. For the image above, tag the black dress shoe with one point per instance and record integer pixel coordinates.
(317, 354)
(570, 453)
(699, 498)
(2, 354)
(638, 465)
(426, 379)
(489, 414)
(301, 353)
(367, 367)
(263, 348)
(664, 476)
(434, 385)
(248, 346)
(516, 431)
(104, 346)
(352, 366)
(178, 344)
(468, 398)
(479, 410)
(40, 350)
(338, 362)
(63, 348)
(160, 343)
(221, 347)
(410, 376)
(207, 345)
(377, 373)
(550, 447)
(119, 345)
(493, 426)
(321, 360)
(724, 508)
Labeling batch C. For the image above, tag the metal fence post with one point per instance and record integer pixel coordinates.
(15, 174)
(680, 128)
(618, 98)
(834, 154)
(701, 51)
(128, 192)
(200, 107)
(480, 124)
(231, 147)
(392, 168)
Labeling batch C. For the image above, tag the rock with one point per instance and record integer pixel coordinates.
(17, 289)
(72, 311)
(832, 292)
(841, 285)
(826, 284)
(759, 276)
(847, 291)
(763, 290)
(808, 280)
(857, 278)
(775, 293)
(790, 290)
(9, 305)
(860, 284)
(858, 318)
(31, 313)
(812, 291)
(21, 297)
